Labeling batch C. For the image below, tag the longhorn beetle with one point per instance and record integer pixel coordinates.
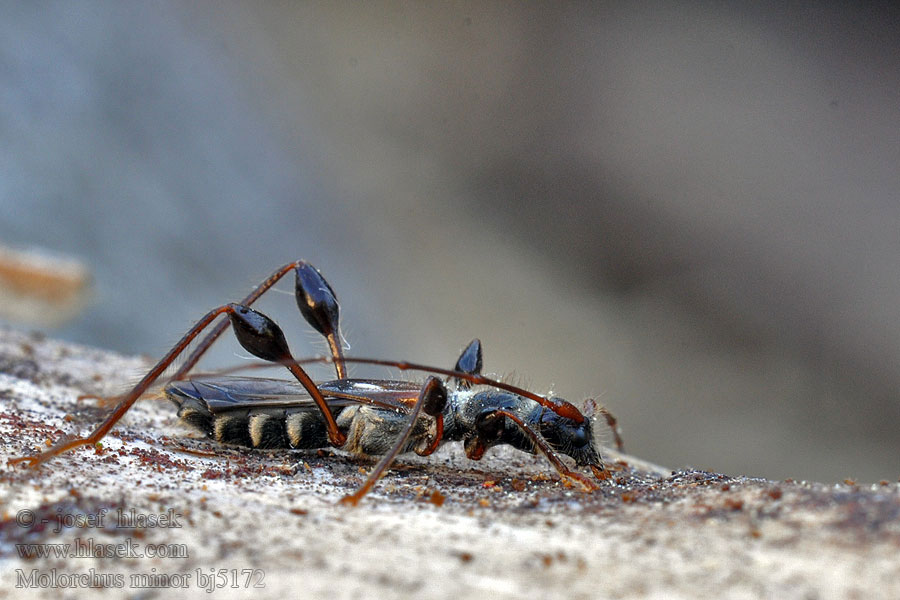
(364, 416)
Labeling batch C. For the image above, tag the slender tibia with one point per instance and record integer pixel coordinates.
(564, 471)
(432, 398)
(613, 424)
(129, 399)
(216, 331)
(261, 336)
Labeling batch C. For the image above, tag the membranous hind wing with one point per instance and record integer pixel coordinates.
(276, 413)
(224, 394)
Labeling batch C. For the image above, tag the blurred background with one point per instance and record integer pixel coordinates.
(690, 211)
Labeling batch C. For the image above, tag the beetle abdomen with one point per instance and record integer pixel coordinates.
(255, 428)
(232, 414)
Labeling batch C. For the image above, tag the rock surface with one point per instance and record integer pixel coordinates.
(207, 518)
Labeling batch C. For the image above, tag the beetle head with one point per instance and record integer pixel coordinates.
(571, 438)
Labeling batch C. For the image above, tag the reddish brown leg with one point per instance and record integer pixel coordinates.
(432, 399)
(318, 305)
(129, 399)
(436, 440)
(335, 437)
(204, 344)
(316, 301)
(564, 471)
(261, 336)
(337, 353)
(258, 335)
(591, 408)
(469, 361)
(614, 427)
(474, 448)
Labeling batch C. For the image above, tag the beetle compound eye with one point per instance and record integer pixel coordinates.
(579, 437)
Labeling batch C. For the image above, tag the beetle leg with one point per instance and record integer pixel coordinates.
(591, 408)
(319, 306)
(435, 440)
(262, 337)
(432, 399)
(315, 300)
(204, 344)
(565, 472)
(125, 402)
(258, 334)
(67, 443)
(469, 361)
